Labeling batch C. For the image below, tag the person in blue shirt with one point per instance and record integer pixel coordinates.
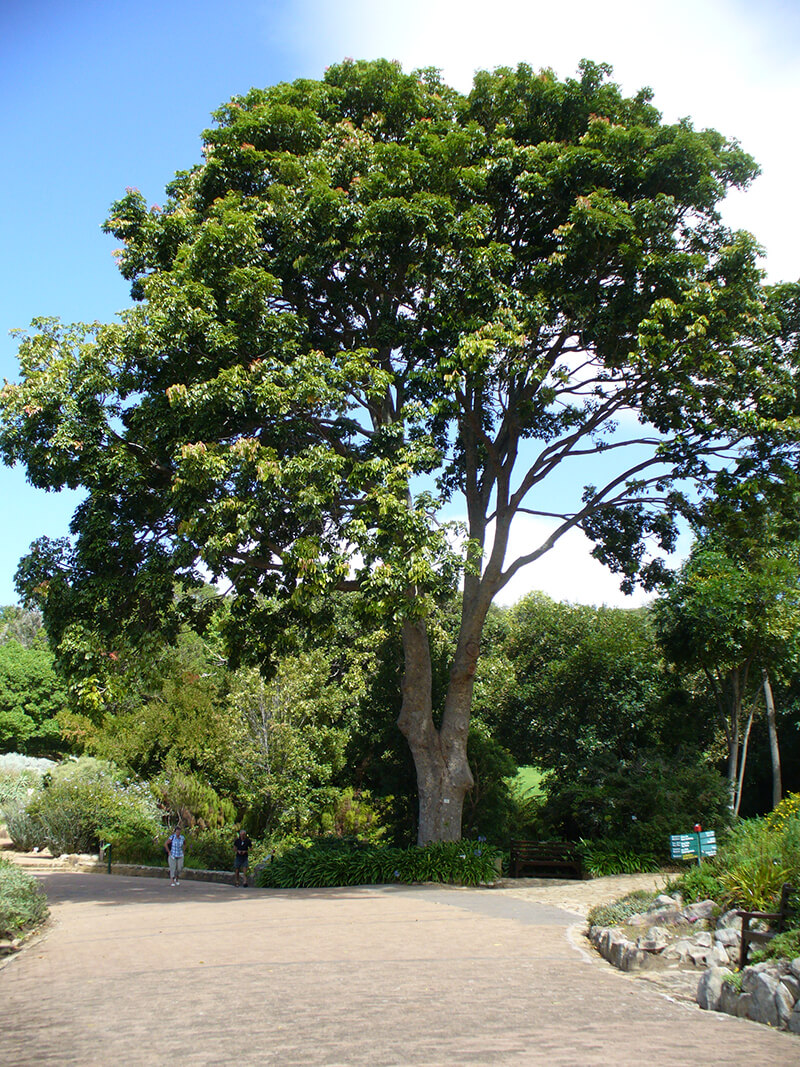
(175, 846)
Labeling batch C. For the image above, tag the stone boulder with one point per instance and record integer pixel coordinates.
(762, 987)
(710, 988)
(656, 939)
(703, 909)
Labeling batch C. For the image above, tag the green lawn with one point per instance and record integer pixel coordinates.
(528, 779)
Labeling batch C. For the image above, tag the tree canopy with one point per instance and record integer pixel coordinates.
(379, 302)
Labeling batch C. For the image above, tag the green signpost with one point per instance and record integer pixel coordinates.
(699, 843)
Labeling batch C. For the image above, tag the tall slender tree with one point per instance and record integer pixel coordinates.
(733, 617)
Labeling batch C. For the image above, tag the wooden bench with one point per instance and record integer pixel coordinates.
(547, 858)
(760, 937)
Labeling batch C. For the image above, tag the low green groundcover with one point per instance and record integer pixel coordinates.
(22, 903)
(337, 862)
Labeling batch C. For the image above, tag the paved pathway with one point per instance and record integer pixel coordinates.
(131, 972)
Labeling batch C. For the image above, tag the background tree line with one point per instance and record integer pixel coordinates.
(627, 735)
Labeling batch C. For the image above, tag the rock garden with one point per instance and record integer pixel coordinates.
(645, 932)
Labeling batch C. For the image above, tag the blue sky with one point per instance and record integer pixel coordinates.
(98, 95)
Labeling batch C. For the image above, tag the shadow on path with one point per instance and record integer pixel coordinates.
(372, 976)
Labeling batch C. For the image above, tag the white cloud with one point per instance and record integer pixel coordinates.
(567, 572)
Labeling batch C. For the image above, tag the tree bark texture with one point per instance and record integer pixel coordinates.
(774, 749)
(440, 755)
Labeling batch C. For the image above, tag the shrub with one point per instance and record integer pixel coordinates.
(754, 862)
(615, 914)
(785, 946)
(338, 862)
(354, 813)
(734, 980)
(602, 858)
(24, 829)
(186, 798)
(491, 807)
(697, 883)
(210, 850)
(637, 803)
(13, 763)
(84, 804)
(788, 810)
(22, 903)
(20, 776)
(147, 850)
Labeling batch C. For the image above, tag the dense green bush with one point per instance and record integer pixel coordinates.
(187, 798)
(492, 808)
(756, 858)
(637, 803)
(699, 882)
(85, 803)
(207, 850)
(22, 903)
(337, 861)
(210, 850)
(147, 850)
(785, 946)
(354, 813)
(23, 828)
(604, 857)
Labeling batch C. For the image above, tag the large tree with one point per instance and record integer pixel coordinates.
(377, 297)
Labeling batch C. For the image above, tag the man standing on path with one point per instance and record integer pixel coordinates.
(241, 848)
(176, 847)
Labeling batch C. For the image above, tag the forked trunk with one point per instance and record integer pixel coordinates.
(440, 756)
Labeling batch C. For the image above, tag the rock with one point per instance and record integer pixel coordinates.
(743, 1006)
(703, 909)
(784, 1004)
(663, 901)
(761, 987)
(729, 918)
(632, 958)
(703, 939)
(656, 939)
(698, 956)
(678, 950)
(718, 956)
(709, 988)
(792, 984)
(794, 1020)
(729, 999)
(637, 920)
(794, 967)
(672, 915)
(726, 935)
(615, 946)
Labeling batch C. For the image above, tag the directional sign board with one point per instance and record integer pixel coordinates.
(702, 844)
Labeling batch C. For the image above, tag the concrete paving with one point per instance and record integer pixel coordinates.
(131, 971)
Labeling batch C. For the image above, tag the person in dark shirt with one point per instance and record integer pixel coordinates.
(241, 848)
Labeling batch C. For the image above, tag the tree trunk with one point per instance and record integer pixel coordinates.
(743, 761)
(774, 750)
(732, 731)
(440, 756)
